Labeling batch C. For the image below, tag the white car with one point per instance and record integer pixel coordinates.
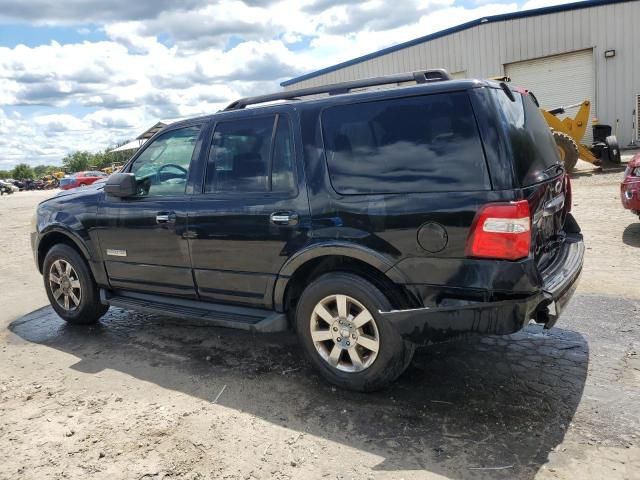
(8, 188)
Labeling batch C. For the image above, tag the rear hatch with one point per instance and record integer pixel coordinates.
(538, 171)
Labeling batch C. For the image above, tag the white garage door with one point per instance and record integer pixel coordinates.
(558, 81)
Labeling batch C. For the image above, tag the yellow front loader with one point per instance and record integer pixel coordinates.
(569, 132)
(113, 168)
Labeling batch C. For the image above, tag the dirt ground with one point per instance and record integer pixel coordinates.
(150, 397)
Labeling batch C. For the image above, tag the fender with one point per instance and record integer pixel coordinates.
(95, 265)
(67, 232)
(332, 248)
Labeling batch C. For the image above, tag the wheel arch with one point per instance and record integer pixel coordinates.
(314, 261)
(55, 236)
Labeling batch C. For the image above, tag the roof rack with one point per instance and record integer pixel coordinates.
(423, 76)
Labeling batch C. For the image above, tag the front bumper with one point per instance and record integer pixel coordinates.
(35, 240)
(630, 195)
(560, 279)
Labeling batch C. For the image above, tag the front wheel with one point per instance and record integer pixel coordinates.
(568, 150)
(345, 338)
(70, 286)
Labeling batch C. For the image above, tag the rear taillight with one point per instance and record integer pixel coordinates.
(501, 231)
(567, 193)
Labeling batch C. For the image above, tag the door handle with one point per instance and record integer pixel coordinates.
(284, 218)
(166, 217)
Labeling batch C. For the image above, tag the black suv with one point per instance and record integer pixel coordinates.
(369, 221)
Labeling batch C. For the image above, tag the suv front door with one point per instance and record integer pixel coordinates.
(253, 209)
(141, 237)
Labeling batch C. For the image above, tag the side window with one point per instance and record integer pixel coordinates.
(163, 167)
(417, 144)
(248, 155)
(282, 178)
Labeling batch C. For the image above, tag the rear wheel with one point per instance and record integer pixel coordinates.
(567, 148)
(70, 286)
(343, 336)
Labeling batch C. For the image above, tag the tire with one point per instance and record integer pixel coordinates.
(78, 281)
(567, 148)
(377, 369)
(613, 149)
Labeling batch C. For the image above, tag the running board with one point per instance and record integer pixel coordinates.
(229, 316)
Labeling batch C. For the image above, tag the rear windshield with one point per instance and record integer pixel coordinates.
(532, 144)
(417, 144)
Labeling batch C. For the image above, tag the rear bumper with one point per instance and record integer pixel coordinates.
(560, 279)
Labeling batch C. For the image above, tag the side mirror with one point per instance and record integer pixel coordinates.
(121, 185)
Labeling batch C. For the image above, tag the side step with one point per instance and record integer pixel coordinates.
(229, 316)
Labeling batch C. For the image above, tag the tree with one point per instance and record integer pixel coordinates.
(5, 174)
(77, 161)
(83, 160)
(42, 170)
(22, 171)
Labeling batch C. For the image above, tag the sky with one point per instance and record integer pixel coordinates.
(87, 74)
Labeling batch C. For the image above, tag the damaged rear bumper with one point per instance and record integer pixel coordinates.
(560, 279)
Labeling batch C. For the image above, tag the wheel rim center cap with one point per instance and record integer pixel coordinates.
(344, 333)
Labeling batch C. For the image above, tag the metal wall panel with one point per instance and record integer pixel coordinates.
(483, 51)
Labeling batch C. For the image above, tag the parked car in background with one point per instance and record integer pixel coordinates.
(81, 179)
(367, 222)
(7, 187)
(630, 187)
(17, 183)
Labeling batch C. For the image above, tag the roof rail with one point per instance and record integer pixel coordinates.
(423, 76)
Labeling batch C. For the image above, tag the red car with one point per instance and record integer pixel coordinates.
(630, 187)
(81, 179)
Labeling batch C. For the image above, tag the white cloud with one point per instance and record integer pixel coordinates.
(531, 4)
(166, 60)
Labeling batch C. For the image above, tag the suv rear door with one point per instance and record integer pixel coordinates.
(252, 210)
(141, 237)
(538, 171)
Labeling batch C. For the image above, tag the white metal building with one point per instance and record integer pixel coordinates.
(564, 54)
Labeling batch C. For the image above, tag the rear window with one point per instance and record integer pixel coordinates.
(532, 144)
(416, 144)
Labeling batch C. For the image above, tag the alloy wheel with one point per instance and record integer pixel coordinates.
(65, 284)
(344, 333)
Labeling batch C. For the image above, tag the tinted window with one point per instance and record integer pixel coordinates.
(245, 154)
(283, 160)
(417, 144)
(162, 168)
(532, 144)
